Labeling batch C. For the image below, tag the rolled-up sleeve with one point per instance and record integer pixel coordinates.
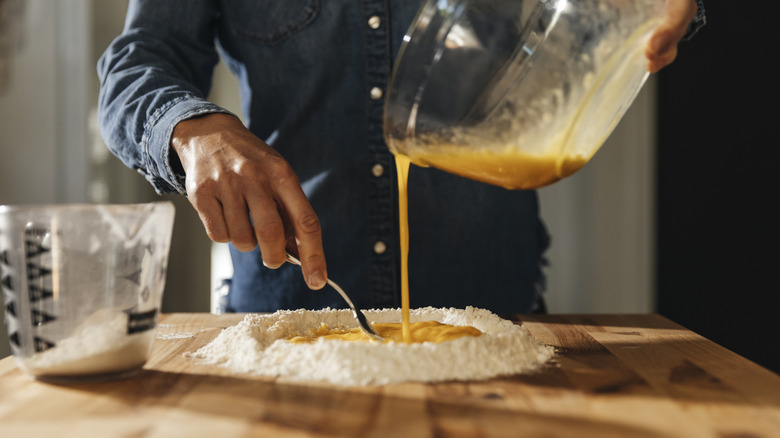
(154, 75)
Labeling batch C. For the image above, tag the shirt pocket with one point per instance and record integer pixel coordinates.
(269, 22)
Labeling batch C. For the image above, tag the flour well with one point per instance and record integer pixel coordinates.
(259, 345)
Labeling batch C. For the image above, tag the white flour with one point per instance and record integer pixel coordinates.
(258, 345)
(169, 336)
(100, 345)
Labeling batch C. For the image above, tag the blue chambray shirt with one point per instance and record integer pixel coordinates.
(307, 69)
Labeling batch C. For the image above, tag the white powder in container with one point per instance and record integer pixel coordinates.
(100, 345)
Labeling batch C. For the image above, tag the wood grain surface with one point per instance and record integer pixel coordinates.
(613, 376)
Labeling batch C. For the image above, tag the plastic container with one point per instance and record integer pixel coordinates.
(516, 93)
(83, 286)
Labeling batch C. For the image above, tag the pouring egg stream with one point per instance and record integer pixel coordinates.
(519, 171)
(511, 169)
(405, 331)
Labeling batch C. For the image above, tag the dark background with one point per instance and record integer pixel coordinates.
(719, 145)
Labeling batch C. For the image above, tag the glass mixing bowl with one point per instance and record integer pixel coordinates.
(516, 93)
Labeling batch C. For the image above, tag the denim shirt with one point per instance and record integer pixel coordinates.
(312, 76)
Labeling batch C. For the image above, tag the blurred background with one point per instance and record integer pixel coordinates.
(674, 215)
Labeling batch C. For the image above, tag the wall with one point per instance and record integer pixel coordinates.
(43, 149)
(51, 152)
(601, 221)
(25, 119)
(718, 159)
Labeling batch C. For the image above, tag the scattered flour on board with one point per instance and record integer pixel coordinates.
(169, 336)
(258, 345)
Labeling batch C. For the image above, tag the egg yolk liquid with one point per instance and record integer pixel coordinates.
(424, 331)
(509, 169)
(402, 164)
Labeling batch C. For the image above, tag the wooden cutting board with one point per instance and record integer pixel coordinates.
(613, 376)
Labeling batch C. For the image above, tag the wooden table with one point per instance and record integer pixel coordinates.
(614, 376)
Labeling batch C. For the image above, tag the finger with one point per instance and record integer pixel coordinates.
(660, 62)
(677, 16)
(210, 212)
(239, 226)
(308, 237)
(268, 229)
(289, 234)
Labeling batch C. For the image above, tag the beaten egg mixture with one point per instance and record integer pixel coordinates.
(405, 331)
(511, 170)
(424, 331)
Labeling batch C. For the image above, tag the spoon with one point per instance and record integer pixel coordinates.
(365, 327)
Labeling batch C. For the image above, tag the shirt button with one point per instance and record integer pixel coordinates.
(374, 22)
(377, 170)
(380, 247)
(376, 93)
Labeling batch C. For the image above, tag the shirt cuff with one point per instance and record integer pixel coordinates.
(156, 141)
(698, 21)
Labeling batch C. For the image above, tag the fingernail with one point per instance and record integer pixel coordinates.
(270, 266)
(317, 280)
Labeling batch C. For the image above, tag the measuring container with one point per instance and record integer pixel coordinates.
(82, 286)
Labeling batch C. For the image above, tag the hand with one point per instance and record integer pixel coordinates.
(230, 175)
(662, 48)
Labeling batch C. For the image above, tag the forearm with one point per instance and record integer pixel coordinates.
(152, 77)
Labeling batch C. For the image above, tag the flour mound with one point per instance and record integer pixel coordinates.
(258, 345)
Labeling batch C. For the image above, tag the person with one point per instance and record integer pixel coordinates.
(311, 168)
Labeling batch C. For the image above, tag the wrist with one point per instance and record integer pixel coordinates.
(186, 132)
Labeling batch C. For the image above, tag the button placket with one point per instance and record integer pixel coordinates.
(382, 210)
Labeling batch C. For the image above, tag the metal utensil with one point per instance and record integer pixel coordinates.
(365, 327)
